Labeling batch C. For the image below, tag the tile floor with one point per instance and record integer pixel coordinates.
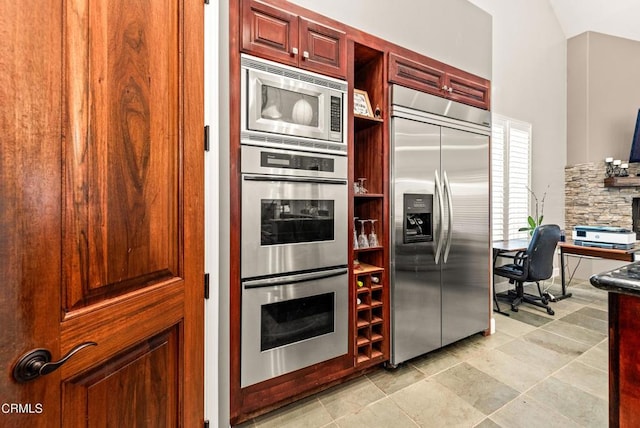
(535, 371)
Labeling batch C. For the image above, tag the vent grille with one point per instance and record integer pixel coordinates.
(292, 74)
(271, 141)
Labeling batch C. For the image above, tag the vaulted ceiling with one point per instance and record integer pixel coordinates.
(615, 17)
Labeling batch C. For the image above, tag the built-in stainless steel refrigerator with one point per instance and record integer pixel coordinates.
(440, 249)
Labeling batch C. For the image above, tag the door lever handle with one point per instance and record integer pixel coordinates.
(37, 362)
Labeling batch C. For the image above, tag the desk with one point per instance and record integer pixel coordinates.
(569, 247)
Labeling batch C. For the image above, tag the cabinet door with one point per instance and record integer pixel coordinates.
(323, 49)
(269, 32)
(422, 76)
(468, 89)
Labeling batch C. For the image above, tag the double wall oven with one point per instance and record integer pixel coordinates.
(293, 222)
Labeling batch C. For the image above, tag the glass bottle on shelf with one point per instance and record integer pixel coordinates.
(355, 234)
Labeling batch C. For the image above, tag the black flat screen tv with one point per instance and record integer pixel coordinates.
(634, 156)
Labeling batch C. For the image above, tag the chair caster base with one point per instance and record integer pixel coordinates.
(550, 311)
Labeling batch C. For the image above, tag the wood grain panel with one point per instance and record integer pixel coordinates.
(417, 75)
(624, 369)
(139, 388)
(269, 32)
(140, 315)
(30, 200)
(469, 90)
(122, 216)
(326, 46)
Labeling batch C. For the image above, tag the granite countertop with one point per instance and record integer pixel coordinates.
(625, 280)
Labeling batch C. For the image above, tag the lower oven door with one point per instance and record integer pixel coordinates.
(292, 321)
(291, 224)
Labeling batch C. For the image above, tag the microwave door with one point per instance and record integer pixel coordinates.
(285, 106)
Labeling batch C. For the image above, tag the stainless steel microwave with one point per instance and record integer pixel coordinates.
(283, 105)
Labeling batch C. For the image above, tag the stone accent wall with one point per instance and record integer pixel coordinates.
(588, 202)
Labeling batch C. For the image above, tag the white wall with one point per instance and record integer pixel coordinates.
(212, 208)
(451, 31)
(529, 83)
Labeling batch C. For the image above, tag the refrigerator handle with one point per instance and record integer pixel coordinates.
(449, 196)
(440, 232)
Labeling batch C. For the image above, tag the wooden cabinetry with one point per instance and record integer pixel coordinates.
(285, 37)
(370, 332)
(370, 162)
(431, 76)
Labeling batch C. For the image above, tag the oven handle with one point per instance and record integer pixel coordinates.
(292, 179)
(292, 279)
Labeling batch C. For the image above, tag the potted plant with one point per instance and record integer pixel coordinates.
(536, 219)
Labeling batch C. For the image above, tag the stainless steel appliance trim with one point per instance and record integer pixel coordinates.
(257, 72)
(251, 163)
(266, 66)
(292, 179)
(405, 97)
(440, 233)
(291, 279)
(260, 260)
(256, 365)
(264, 139)
(448, 194)
(434, 119)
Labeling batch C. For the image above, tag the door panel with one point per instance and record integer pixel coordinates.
(102, 236)
(269, 32)
(465, 291)
(326, 49)
(415, 278)
(125, 165)
(136, 389)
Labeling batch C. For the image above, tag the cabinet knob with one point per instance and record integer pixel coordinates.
(447, 89)
(305, 55)
(294, 51)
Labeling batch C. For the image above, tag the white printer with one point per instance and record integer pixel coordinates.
(604, 236)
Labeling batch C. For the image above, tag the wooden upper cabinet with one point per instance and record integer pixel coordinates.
(269, 32)
(431, 76)
(468, 89)
(421, 76)
(284, 37)
(322, 49)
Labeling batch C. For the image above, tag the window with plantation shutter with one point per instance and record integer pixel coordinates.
(510, 156)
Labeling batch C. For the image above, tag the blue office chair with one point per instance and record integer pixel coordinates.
(533, 265)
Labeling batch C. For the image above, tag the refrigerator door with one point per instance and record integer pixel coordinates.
(465, 266)
(415, 276)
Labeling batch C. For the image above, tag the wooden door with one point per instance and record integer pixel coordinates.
(101, 223)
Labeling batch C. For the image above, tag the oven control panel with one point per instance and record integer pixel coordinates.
(271, 159)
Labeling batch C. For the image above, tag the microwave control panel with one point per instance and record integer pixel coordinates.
(336, 114)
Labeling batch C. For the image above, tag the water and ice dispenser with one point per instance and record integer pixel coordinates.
(418, 219)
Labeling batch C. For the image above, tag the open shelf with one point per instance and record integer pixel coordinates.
(364, 122)
(366, 269)
(631, 181)
(370, 161)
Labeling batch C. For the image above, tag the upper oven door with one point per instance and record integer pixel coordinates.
(292, 224)
(283, 104)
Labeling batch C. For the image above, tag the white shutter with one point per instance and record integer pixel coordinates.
(511, 153)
